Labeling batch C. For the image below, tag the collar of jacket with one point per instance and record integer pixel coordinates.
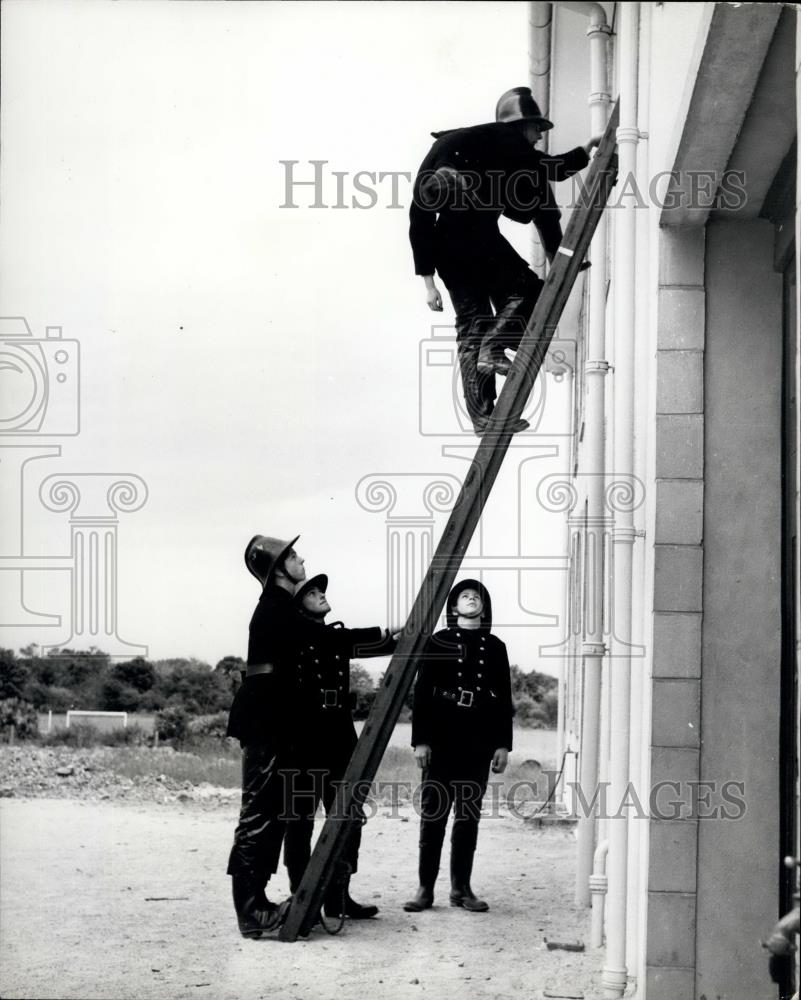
(277, 594)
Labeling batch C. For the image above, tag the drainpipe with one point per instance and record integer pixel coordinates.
(598, 887)
(562, 368)
(540, 16)
(615, 972)
(641, 600)
(595, 369)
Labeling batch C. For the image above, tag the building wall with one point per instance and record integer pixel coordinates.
(678, 491)
(737, 864)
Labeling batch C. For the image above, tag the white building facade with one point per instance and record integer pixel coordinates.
(679, 686)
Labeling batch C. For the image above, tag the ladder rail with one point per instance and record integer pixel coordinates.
(458, 532)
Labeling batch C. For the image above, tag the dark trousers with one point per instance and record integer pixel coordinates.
(512, 296)
(458, 783)
(258, 835)
(310, 786)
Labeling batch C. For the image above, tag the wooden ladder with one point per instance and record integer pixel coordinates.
(456, 537)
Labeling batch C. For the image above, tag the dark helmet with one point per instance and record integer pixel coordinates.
(518, 105)
(263, 554)
(321, 581)
(450, 607)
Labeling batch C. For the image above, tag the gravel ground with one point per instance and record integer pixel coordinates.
(121, 892)
(88, 774)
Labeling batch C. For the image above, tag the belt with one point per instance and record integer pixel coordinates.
(463, 699)
(258, 668)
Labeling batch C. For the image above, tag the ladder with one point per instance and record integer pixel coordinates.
(456, 537)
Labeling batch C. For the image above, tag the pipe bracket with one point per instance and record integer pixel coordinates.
(628, 133)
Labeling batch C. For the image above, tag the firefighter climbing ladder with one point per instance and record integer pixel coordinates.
(455, 539)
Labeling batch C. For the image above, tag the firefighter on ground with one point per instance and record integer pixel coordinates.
(326, 735)
(471, 177)
(461, 727)
(261, 719)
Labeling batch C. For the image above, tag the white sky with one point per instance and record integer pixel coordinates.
(251, 363)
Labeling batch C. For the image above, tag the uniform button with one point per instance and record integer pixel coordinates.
(459, 674)
(460, 660)
(341, 673)
(316, 661)
(480, 661)
(479, 676)
(458, 635)
(478, 689)
(336, 657)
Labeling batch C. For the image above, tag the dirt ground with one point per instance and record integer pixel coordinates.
(103, 899)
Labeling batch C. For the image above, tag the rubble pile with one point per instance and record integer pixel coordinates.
(93, 774)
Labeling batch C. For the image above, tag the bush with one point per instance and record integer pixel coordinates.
(133, 735)
(78, 735)
(208, 726)
(138, 674)
(81, 735)
(19, 718)
(172, 724)
(13, 675)
(57, 699)
(362, 691)
(116, 696)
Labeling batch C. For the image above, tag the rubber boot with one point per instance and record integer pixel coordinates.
(428, 871)
(461, 870)
(295, 874)
(334, 899)
(493, 359)
(255, 913)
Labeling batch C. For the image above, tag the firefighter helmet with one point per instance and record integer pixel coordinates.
(518, 105)
(263, 554)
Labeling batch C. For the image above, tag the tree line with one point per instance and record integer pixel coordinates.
(68, 679)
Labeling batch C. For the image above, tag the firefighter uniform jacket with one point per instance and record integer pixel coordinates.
(472, 176)
(259, 711)
(462, 697)
(321, 668)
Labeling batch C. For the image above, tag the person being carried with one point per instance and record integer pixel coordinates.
(471, 177)
(260, 718)
(461, 726)
(325, 734)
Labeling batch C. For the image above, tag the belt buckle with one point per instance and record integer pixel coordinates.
(330, 698)
(465, 704)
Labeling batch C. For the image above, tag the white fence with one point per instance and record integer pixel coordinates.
(103, 721)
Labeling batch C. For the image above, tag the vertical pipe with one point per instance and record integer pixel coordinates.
(595, 368)
(640, 728)
(539, 56)
(540, 16)
(615, 972)
(564, 660)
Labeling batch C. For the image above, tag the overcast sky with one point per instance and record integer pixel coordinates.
(250, 362)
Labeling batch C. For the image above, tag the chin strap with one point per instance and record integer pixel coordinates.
(342, 878)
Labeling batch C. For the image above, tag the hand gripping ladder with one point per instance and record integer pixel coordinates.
(361, 771)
